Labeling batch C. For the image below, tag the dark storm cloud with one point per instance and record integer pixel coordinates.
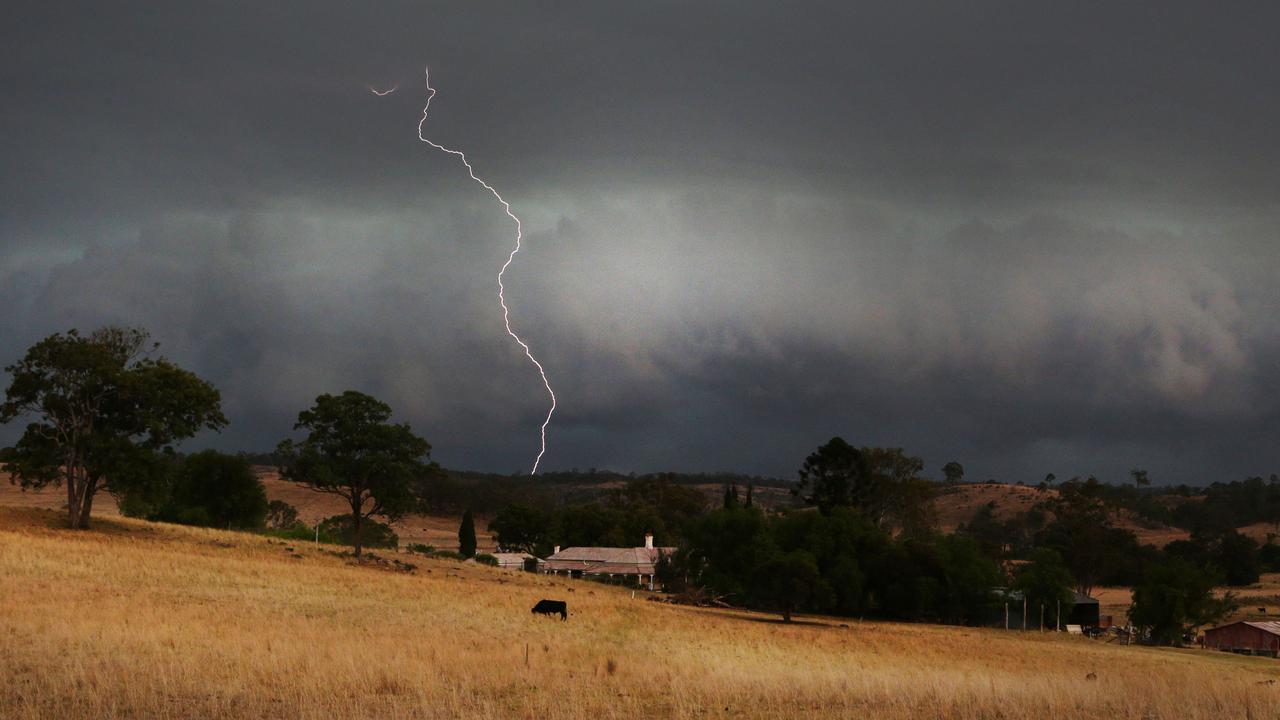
(1031, 238)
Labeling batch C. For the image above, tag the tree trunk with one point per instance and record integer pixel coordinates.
(786, 615)
(74, 493)
(86, 504)
(358, 525)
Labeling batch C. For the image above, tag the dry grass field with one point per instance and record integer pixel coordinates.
(138, 620)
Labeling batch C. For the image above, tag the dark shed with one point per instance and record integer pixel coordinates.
(1247, 637)
(1084, 612)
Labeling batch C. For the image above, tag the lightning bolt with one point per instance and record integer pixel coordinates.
(502, 300)
(383, 93)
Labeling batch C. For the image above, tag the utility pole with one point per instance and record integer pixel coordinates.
(1059, 622)
(1041, 617)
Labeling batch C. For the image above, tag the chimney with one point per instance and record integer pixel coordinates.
(557, 550)
(648, 541)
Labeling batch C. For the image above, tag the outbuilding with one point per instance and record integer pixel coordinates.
(1246, 637)
(514, 560)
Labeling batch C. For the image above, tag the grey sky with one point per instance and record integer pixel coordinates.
(1029, 237)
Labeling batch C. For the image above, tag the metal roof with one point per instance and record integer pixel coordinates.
(1268, 626)
(606, 560)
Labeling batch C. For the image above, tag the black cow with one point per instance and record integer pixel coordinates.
(551, 607)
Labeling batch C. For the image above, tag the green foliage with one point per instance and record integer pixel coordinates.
(352, 451)
(1045, 581)
(101, 410)
(620, 518)
(303, 532)
(841, 544)
(861, 568)
(216, 490)
(486, 559)
(1082, 533)
(731, 497)
(1236, 557)
(884, 484)
(953, 472)
(1232, 505)
(467, 535)
(420, 548)
(1174, 598)
(520, 528)
(788, 582)
(281, 514)
(724, 548)
(1269, 556)
(373, 534)
(836, 475)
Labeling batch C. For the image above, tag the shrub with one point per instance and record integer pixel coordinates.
(302, 531)
(281, 515)
(209, 488)
(420, 548)
(486, 559)
(373, 534)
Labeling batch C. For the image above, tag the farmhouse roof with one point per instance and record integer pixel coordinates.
(607, 560)
(1269, 626)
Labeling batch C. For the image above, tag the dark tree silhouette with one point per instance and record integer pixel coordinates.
(467, 535)
(352, 450)
(836, 475)
(953, 472)
(101, 410)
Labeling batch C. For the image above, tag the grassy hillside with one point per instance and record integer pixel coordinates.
(956, 505)
(440, 531)
(155, 621)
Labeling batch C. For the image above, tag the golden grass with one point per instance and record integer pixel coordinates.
(136, 620)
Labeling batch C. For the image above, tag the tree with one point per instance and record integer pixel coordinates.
(724, 548)
(730, 497)
(790, 582)
(281, 515)
(953, 472)
(1237, 555)
(521, 528)
(102, 409)
(214, 489)
(353, 451)
(749, 503)
(467, 535)
(1140, 478)
(372, 534)
(836, 475)
(900, 496)
(1045, 581)
(1174, 598)
(1082, 533)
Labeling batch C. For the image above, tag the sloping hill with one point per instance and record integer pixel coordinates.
(957, 505)
(437, 530)
(149, 620)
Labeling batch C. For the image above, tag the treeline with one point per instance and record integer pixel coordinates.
(450, 491)
(618, 518)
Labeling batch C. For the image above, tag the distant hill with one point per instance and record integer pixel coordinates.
(956, 505)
